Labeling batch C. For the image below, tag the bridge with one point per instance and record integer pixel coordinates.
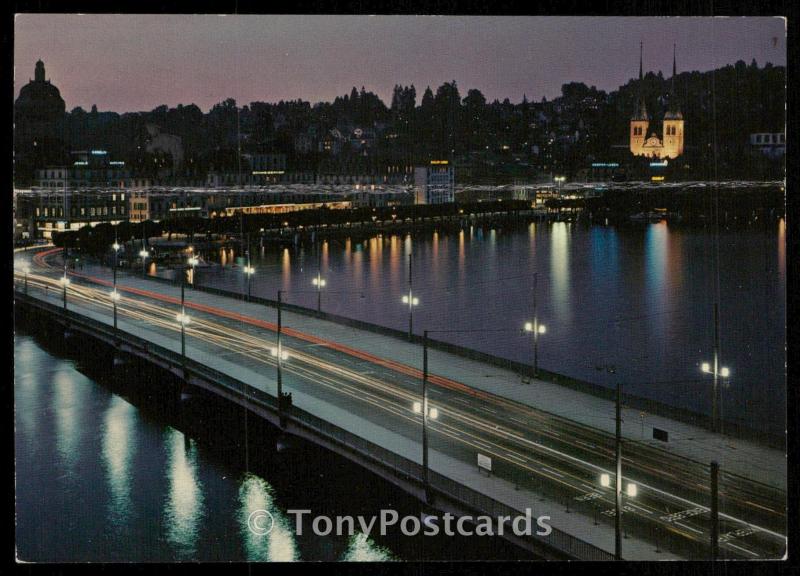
(358, 392)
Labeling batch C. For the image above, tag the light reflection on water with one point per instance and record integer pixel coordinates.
(183, 508)
(97, 479)
(638, 297)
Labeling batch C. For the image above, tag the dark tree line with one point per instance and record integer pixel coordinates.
(721, 108)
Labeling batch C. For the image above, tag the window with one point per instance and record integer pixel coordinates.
(758, 138)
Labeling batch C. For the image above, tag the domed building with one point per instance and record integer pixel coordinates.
(39, 114)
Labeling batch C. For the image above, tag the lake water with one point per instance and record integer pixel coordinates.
(638, 298)
(109, 468)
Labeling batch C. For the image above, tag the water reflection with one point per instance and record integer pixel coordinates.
(120, 421)
(560, 270)
(657, 288)
(279, 544)
(361, 548)
(68, 403)
(184, 506)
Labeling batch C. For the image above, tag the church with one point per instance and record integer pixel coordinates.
(670, 144)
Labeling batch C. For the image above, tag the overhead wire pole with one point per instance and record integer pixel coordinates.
(618, 498)
(410, 298)
(715, 391)
(279, 354)
(425, 481)
(714, 511)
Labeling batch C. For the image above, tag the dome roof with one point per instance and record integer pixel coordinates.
(40, 93)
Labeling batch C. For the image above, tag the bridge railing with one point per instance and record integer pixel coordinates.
(400, 466)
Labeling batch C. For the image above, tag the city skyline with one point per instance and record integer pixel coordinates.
(320, 57)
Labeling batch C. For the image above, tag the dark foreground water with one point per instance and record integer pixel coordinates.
(117, 468)
(639, 298)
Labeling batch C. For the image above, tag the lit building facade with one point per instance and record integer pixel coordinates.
(434, 184)
(670, 144)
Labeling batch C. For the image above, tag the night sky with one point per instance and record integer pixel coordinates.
(137, 62)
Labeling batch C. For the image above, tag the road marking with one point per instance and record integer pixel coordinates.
(552, 471)
(509, 455)
(488, 410)
(688, 527)
(743, 549)
(639, 508)
(760, 506)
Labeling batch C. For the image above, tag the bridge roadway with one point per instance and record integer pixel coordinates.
(540, 460)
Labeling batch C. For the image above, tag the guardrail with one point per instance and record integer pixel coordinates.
(398, 465)
(735, 429)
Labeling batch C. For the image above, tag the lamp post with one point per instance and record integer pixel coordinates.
(26, 270)
(143, 254)
(717, 372)
(536, 328)
(411, 300)
(319, 282)
(714, 510)
(279, 353)
(249, 271)
(193, 261)
(183, 319)
(65, 283)
(631, 491)
(114, 294)
(611, 369)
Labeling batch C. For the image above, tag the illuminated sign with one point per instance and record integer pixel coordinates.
(605, 165)
(658, 164)
(117, 163)
(657, 178)
(266, 172)
(440, 162)
(81, 163)
(99, 152)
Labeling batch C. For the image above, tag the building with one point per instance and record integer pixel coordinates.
(51, 210)
(435, 183)
(770, 144)
(372, 196)
(39, 124)
(670, 144)
(89, 168)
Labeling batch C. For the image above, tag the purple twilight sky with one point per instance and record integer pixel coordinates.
(137, 62)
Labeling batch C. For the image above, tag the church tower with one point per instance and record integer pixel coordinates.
(673, 120)
(640, 120)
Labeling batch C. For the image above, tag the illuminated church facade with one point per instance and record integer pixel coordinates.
(670, 144)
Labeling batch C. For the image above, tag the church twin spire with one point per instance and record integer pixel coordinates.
(640, 109)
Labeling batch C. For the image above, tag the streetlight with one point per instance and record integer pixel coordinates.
(143, 254)
(604, 479)
(631, 491)
(26, 270)
(183, 319)
(536, 328)
(319, 282)
(115, 297)
(249, 271)
(193, 261)
(65, 282)
(717, 372)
